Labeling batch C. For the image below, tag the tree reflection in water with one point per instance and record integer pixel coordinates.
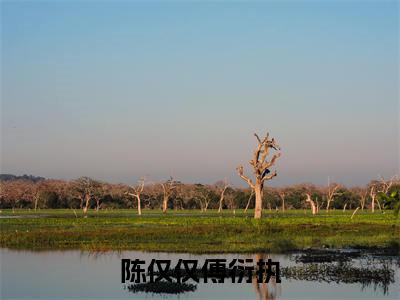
(266, 291)
(343, 268)
(309, 266)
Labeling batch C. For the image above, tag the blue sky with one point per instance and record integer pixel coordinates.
(117, 90)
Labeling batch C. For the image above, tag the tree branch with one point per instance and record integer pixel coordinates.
(266, 165)
(244, 177)
(269, 177)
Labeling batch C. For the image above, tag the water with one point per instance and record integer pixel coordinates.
(82, 275)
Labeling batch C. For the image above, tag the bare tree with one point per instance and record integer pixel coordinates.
(102, 190)
(137, 191)
(230, 200)
(222, 188)
(261, 171)
(168, 187)
(313, 206)
(386, 185)
(372, 194)
(331, 192)
(204, 195)
(354, 212)
(376, 187)
(363, 198)
(362, 194)
(248, 201)
(84, 188)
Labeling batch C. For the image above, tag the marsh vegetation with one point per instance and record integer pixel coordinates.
(197, 232)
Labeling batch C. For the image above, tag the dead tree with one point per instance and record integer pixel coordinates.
(354, 212)
(331, 193)
(137, 191)
(168, 187)
(85, 188)
(372, 194)
(379, 187)
(386, 185)
(313, 206)
(261, 171)
(204, 196)
(223, 188)
(248, 201)
(363, 194)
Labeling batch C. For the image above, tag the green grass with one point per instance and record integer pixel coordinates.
(196, 232)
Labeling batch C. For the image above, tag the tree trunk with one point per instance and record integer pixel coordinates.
(139, 206)
(248, 202)
(379, 204)
(261, 166)
(85, 209)
(313, 209)
(221, 201)
(258, 191)
(313, 206)
(373, 204)
(165, 204)
(327, 204)
(354, 212)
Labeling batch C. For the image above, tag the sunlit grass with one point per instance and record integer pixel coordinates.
(193, 231)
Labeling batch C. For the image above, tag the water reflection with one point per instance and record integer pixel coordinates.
(344, 267)
(330, 267)
(266, 291)
(97, 275)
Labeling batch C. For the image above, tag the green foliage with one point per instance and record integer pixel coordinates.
(48, 199)
(345, 196)
(391, 202)
(195, 232)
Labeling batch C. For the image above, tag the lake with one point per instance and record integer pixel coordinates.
(82, 275)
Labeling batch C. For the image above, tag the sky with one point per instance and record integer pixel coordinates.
(116, 90)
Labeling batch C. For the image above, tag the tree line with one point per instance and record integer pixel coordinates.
(86, 193)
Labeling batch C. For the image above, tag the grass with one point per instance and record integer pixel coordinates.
(196, 232)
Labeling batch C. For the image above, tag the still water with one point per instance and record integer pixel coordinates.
(82, 275)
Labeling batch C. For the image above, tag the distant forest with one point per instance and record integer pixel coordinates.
(34, 192)
(6, 177)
